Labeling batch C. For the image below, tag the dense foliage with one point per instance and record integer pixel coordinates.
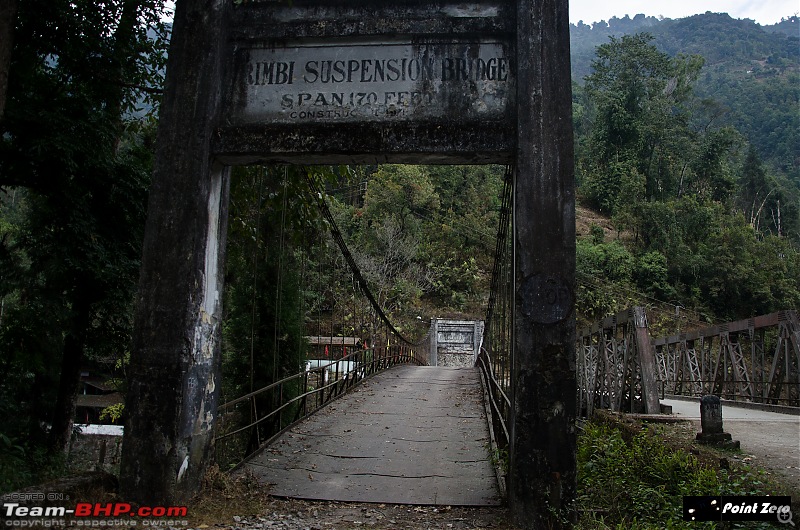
(751, 74)
(266, 269)
(423, 236)
(74, 171)
(699, 221)
(638, 481)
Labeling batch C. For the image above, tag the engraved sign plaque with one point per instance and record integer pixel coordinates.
(390, 81)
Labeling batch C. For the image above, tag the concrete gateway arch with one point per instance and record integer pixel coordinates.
(310, 81)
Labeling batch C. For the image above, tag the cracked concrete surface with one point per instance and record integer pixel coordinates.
(411, 435)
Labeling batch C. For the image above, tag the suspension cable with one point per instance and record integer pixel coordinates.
(279, 287)
(501, 244)
(256, 252)
(337, 237)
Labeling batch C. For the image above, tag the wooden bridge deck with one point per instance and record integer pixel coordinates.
(410, 435)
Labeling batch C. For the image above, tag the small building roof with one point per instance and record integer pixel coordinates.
(333, 341)
(100, 401)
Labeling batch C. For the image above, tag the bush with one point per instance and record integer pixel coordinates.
(637, 484)
(23, 465)
(651, 275)
(636, 480)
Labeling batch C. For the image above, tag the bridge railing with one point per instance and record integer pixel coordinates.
(755, 360)
(495, 373)
(248, 423)
(495, 354)
(616, 367)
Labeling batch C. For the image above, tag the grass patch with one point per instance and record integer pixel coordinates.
(635, 476)
(224, 495)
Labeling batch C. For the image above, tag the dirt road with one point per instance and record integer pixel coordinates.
(772, 439)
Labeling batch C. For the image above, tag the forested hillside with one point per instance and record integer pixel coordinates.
(750, 76)
(701, 220)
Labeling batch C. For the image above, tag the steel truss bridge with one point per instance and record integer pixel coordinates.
(622, 368)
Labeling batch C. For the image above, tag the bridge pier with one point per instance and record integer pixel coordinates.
(173, 377)
(542, 471)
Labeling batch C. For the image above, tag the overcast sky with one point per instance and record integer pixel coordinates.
(762, 11)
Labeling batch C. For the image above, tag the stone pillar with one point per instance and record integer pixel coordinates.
(433, 357)
(173, 377)
(542, 470)
(711, 423)
(477, 340)
(711, 415)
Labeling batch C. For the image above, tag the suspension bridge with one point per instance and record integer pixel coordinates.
(390, 424)
(486, 82)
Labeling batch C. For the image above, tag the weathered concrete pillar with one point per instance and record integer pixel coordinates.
(711, 423)
(173, 378)
(647, 362)
(433, 356)
(542, 447)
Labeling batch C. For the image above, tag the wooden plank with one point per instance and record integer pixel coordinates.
(411, 435)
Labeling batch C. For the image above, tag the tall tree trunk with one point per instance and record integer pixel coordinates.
(8, 13)
(69, 384)
(37, 408)
(122, 59)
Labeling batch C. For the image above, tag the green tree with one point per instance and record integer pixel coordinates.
(405, 194)
(651, 275)
(604, 272)
(711, 175)
(754, 188)
(746, 276)
(389, 243)
(637, 97)
(768, 203)
(461, 245)
(78, 69)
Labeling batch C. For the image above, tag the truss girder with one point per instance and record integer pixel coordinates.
(756, 359)
(617, 367)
